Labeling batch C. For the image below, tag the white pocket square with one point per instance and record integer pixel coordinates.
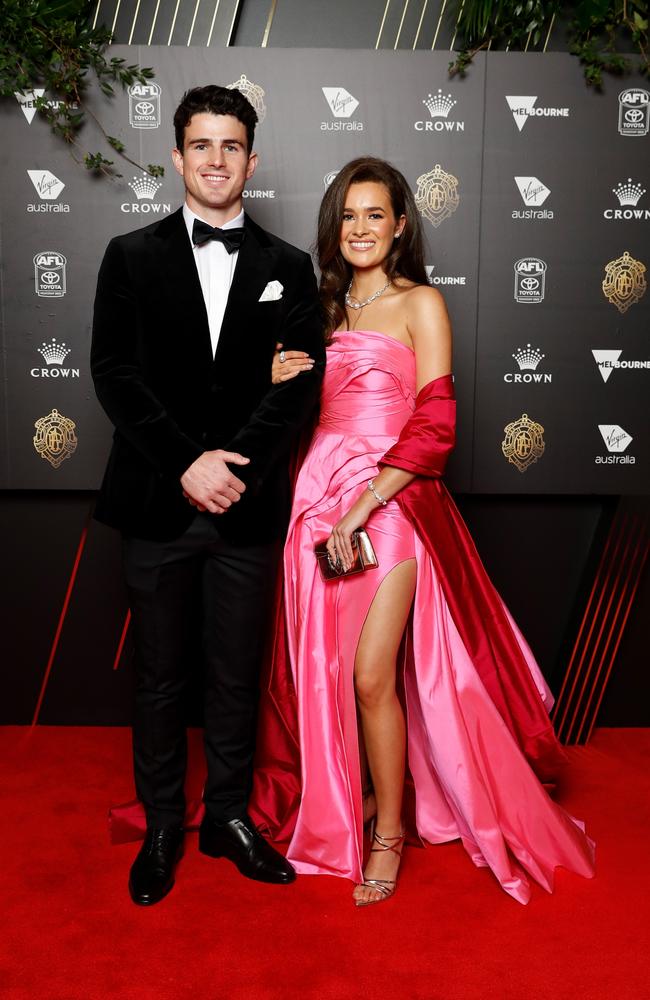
(272, 292)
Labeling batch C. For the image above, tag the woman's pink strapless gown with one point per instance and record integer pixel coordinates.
(471, 780)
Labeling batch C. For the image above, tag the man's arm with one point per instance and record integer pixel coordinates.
(272, 427)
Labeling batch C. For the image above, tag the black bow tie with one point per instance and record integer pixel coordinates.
(231, 238)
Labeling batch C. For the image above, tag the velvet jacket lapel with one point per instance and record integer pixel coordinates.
(181, 287)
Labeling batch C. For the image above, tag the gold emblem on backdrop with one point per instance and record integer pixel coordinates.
(55, 438)
(524, 442)
(253, 93)
(437, 195)
(624, 282)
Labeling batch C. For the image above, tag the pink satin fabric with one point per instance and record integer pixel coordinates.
(471, 779)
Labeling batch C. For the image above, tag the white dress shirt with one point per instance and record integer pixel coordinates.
(216, 269)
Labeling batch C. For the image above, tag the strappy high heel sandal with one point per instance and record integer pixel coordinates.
(385, 886)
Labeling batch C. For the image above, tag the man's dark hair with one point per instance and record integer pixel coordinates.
(215, 101)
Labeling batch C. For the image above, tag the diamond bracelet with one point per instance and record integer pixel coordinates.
(381, 500)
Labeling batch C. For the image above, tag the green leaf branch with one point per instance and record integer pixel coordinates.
(52, 45)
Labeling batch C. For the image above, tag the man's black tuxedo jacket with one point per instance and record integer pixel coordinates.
(170, 400)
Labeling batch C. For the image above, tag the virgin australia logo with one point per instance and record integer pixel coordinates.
(533, 194)
(439, 107)
(145, 188)
(617, 440)
(48, 187)
(524, 108)
(342, 105)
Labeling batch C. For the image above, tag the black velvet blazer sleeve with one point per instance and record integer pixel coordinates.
(138, 415)
(272, 427)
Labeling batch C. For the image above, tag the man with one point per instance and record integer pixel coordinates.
(187, 315)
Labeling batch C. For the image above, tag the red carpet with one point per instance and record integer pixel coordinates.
(70, 930)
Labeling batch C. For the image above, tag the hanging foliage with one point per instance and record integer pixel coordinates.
(605, 35)
(52, 46)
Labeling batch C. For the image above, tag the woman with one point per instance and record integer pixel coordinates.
(471, 688)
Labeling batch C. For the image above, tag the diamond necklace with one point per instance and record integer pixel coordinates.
(366, 302)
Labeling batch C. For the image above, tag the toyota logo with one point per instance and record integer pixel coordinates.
(50, 278)
(145, 108)
(634, 115)
(530, 284)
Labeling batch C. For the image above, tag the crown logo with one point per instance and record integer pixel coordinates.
(53, 353)
(144, 186)
(528, 358)
(629, 193)
(439, 106)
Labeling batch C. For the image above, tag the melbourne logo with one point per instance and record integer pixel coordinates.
(253, 93)
(629, 194)
(54, 354)
(28, 99)
(524, 108)
(524, 442)
(617, 440)
(444, 279)
(437, 195)
(48, 187)
(634, 111)
(55, 438)
(342, 104)
(624, 283)
(530, 279)
(145, 187)
(528, 360)
(439, 107)
(607, 361)
(49, 274)
(533, 194)
(144, 105)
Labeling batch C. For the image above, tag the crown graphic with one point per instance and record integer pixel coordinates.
(528, 358)
(629, 193)
(439, 106)
(144, 186)
(53, 353)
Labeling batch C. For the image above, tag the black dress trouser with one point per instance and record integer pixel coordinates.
(235, 586)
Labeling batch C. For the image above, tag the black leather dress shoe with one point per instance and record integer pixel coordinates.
(152, 872)
(240, 841)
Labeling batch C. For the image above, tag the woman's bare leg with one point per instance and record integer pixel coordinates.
(382, 718)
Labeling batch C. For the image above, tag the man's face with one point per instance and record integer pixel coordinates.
(215, 165)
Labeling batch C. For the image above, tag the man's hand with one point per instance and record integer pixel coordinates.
(210, 485)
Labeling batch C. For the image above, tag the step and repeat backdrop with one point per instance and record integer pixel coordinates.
(533, 191)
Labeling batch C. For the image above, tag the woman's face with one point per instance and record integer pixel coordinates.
(369, 226)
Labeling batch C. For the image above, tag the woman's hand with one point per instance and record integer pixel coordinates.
(287, 364)
(338, 544)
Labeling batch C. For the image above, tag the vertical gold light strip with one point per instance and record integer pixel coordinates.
(460, 14)
(417, 33)
(528, 41)
(171, 30)
(232, 23)
(153, 23)
(214, 17)
(399, 30)
(381, 26)
(135, 18)
(548, 33)
(99, 3)
(435, 37)
(196, 10)
(269, 22)
(117, 10)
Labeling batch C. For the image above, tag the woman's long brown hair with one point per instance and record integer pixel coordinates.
(406, 258)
